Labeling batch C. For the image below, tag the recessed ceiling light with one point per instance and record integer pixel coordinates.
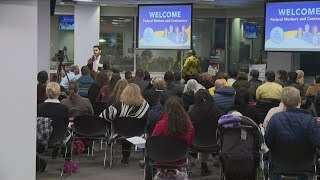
(102, 40)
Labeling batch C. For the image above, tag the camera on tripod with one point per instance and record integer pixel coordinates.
(60, 55)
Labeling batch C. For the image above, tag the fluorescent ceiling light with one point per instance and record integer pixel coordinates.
(102, 40)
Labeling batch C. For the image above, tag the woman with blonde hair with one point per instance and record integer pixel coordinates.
(132, 106)
(117, 91)
(51, 108)
(300, 80)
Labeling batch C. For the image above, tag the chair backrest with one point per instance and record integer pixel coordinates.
(205, 133)
(166, 148)
(129, 127)
(292, 156)
(59, 132)
(90, 126)
(264, 105)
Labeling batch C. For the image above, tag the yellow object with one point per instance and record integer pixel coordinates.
(211, 90)
(191, 66)
(269, 90)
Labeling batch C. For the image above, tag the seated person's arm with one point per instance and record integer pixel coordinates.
(109, 114)
(313, 131)
(258, 93)
(270, 132)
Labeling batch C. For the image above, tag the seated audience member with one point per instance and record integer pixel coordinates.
(177, 77)
(317, 103)
(191, 88)
(314, 88)
(300, 80)
(106, 90)
(254, 81)
(128, 75)
(292, 82)
(205, 80)
(76, 104)
(93, 73)
(177, 81)
(53, 109)
(131, 105)
(241, 104)
(308, 105)
(110, 74)
(223, 96)
(77, 73)
(147, 76)
(232, 78)
(282, 77)
(117, 91)
(154, 114)
(139, 80)
(41, 87)
(270, 89)
(271, 112)
(293, 125)
(224, 77)
(102, 79)
(193, 85)
(204, 114)
(241, 81)
(85, 81)
(175, 122)
(152, 95)
(171, 87)
(71, 76)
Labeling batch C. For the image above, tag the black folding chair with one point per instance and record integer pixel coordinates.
(57, 141)
(293, 160)
(93, 128)
(162, 150)
(123, 128)
(205, 140)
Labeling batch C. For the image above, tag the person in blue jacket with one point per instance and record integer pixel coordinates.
(294, 125)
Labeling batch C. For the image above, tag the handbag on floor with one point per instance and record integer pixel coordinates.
(70, 167)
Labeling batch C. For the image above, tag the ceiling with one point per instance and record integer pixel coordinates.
(211, 4)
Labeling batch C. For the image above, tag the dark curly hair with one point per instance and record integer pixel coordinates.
(178, 119)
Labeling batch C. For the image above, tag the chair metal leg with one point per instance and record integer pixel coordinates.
(111, 155)
(92, 149)
(101, 142)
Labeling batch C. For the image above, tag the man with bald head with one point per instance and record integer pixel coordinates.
(218, 84)
(223, 95)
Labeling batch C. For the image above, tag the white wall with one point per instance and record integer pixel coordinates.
(86, 33)
(280, 61)
(18, 52)
(44, 35)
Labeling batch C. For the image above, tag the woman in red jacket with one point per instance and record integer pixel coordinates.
(175, 122)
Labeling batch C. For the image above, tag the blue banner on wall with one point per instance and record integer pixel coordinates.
(165, 27)
(292, 26)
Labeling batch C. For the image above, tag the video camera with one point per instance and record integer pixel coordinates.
(60, 55)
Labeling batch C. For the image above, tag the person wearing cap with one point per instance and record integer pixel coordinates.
(191, 68)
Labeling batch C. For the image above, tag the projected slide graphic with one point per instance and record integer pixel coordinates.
(165, 27)
(292, 26)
